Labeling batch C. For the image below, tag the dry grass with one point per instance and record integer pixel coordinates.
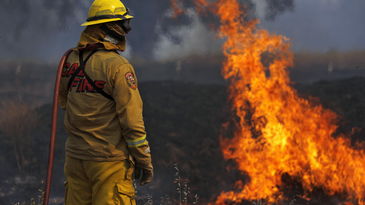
(339, 60)
(17, 121)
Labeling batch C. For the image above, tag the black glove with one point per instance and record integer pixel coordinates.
(143, 175)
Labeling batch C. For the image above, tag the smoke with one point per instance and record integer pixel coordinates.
(128, 52)
(331, 3)
(179, 42)
(195, 38)
(261, 7)
(275, 7)
(28, 24)
(269, 9)
(21, 16)
(29, 28)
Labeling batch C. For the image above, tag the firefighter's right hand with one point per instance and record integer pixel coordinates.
(144, 175)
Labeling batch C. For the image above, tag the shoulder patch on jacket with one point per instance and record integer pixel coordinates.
(131, 80)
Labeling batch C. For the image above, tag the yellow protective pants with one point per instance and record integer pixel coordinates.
(99, 183)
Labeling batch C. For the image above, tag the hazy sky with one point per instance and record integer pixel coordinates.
(317, 25)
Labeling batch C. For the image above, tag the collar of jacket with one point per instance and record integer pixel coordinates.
(94, 35)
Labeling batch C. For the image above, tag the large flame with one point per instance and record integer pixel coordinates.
(279, 132)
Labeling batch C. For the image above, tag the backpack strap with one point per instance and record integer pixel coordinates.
(90, 81)
(82, 64)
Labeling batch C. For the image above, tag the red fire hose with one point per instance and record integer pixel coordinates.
(47, 188)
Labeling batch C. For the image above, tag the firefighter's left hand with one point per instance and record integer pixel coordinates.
(144, 176)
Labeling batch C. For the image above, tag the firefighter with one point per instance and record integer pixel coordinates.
(106, 141)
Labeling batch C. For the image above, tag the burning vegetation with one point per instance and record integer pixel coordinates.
(278, 135)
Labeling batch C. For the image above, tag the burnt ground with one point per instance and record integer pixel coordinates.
(184, 122)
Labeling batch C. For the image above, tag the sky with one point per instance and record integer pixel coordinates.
(321, 25)
(42, 30)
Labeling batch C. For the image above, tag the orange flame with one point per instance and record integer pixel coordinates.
(200, 5)
(176, 8)
(277, 131)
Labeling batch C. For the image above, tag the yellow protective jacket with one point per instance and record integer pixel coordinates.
(100, 129)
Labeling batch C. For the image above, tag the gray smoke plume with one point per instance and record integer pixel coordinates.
(275, 7)
(28, 24)
(28, 27)
(192, 36)
(191, 39)
(269, 9)
(39, 15)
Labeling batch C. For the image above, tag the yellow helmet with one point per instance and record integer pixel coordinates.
(102, 11)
